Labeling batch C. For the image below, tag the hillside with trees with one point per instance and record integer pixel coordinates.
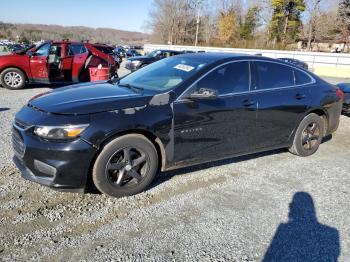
(273, 24)
(37, 32)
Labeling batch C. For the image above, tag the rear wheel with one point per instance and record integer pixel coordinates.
(126, 166)
(308, 136)
(12, 78)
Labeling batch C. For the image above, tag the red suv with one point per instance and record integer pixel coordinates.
(53, 62)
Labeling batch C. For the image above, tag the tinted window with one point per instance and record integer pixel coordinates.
(105, 49)
(301, 78)
(43, 50)
(230, 78)
(76, 49)
(273, 75)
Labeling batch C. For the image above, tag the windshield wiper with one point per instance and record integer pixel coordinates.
(132, 87)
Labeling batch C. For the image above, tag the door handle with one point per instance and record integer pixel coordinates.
(248, 103)
(300, 96)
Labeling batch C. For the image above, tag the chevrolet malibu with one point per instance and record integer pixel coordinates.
(180, 111)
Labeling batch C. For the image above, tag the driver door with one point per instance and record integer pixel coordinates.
(39, 65)
(218, 126)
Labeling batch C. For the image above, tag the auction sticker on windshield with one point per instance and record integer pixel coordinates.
(183, 67)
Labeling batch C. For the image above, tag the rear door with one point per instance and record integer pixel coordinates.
(80, 60)
(213, 128)
(283, 97)
(38, 64)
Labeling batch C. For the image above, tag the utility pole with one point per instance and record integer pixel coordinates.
(196, 41)
(197, 4)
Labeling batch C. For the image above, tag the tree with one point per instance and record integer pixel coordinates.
(285, 22)
(228, 27)
(344, 21)
(250, 24)
(313, 8)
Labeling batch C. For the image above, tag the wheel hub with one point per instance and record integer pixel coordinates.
(13, 79)
(128, 167)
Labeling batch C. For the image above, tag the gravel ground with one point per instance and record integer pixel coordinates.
(242, 209)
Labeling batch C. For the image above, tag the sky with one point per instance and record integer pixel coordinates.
(119, 14)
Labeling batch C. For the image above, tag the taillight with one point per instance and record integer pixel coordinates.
(340, 93)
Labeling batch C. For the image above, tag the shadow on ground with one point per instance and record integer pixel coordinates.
(164, 176)
(303, 238)
(2, 109)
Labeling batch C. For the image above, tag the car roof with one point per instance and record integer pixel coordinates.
(214, 57)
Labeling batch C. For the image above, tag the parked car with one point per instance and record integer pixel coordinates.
(52, 62)
(345, 87)
(135, 63)
(110, 51)
(120, 51)
(295, 62)
(179, 111)
(132, 53)
(14, 47)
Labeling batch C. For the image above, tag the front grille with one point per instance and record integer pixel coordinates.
(17, 143)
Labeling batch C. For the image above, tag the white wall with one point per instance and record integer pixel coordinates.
(314, 59)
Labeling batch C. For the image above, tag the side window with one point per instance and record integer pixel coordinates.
(76, 49)
(43, 50)
(301, 78)
(230, 78)
(273, 75)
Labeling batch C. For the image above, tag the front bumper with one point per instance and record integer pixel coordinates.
(130, 66)
(62, 166)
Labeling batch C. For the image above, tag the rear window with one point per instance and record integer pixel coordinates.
(105, 49)
(274, 75)
(301, 78)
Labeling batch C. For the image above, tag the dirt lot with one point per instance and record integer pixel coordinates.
(244, 209)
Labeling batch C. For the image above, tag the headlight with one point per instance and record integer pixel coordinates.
(59, 132)
(136, 62)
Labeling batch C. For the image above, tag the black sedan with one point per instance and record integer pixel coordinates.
(295, 62)
(179, 111)
(135, 63)
(132, 53)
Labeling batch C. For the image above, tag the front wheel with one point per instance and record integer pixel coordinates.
(126, 166)
(308, 136)
(12, 78)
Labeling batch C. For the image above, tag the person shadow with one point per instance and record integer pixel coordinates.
(303, 238)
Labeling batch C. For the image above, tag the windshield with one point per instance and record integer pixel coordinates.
(164, 74)
(153, 53)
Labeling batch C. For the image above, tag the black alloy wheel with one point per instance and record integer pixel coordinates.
(126, 166)
(308, 135)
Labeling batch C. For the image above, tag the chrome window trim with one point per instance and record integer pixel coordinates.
(313, 81)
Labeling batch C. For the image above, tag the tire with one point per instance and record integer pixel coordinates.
(114, 170)
(13, 79)
(308, 136)
(143, 65)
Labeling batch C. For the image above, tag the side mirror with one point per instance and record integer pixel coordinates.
(203, 93)
(30, 53)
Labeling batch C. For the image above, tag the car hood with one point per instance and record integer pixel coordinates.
(10, 55)
(89, 98)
